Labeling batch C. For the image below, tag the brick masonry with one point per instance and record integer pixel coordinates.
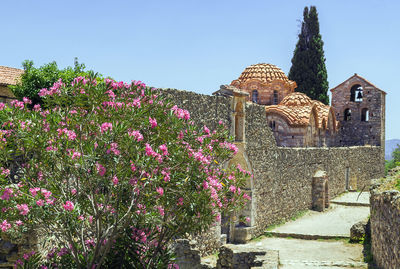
(355, 131)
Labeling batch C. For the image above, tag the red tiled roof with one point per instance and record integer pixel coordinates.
(264, 72)
(297, 108)
(323, 114)
(296, 116)
(9, 75)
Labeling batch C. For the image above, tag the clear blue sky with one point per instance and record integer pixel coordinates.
(199, 45)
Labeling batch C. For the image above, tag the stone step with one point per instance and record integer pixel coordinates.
(349, 203)
(322, 264)
(307, 236)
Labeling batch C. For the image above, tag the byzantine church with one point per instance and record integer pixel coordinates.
(356, 116)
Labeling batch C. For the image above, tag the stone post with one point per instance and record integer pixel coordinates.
(320, 194)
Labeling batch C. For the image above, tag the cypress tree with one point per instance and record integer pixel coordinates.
(308, 62)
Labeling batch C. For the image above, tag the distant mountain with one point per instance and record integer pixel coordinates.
(390, 146)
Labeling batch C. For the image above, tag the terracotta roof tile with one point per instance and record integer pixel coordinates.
(296, 99)
(297, 108)
(9, 75)
(264, 72)
(299, 116)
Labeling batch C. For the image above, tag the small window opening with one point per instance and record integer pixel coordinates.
(272, 125)
(275, 100)
(364, 114)
(254, 96)
(347, 114)
(356, 93)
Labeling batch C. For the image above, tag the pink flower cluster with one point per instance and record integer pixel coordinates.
(105, 127)
(151, 152)
(55, 90)
(114, 149)
(101, 170)
(7, 194)
(23, 209)
(69, 206)
(71, 135)
(230, 146)
(74, 154)
(164, 149)
(153, 122)
(4, 226)
(136, 134)
(18, 104)
(181, 113)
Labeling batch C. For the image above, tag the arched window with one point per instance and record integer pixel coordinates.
(356, 93)
(275, 101)
(272, 125)
(364, 114)
(347, 114)
(254, 96)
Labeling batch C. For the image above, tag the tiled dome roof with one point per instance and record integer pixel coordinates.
(299, 116)
(263, 72)
(323, 114)
(296, 99)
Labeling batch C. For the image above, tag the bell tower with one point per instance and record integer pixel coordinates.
(360, 109)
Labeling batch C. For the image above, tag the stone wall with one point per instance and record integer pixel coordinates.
(204, 109)
(283, 176)
(282, 184)
(385, 223)
(5, 94)
(13, 249)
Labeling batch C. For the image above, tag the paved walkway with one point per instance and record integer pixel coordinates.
(334, 223)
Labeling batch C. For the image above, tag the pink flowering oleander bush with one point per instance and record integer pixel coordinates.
(113, 172)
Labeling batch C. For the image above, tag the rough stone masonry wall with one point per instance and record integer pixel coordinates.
(5, 94)
(204, 109)
(12, 250)
(385, 227)
(283, 176)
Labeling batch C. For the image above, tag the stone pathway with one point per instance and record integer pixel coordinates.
(306, 245)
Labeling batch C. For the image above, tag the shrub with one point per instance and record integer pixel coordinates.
(114, 172)
(33, 79)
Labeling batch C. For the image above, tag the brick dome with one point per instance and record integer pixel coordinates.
(264, 72)
(296, 99)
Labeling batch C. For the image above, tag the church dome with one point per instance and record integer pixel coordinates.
(263, 72)
(296, 99)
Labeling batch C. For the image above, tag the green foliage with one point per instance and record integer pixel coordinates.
(308, 63)
(395, 161)
(396, 154)
(34, 79)
(114, 172)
